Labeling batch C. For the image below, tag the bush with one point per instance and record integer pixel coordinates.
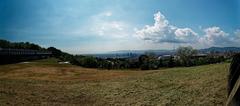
(148, 62)
(86, 61)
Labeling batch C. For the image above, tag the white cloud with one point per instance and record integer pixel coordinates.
(214, 36)
(237, 33)
(186, 34)
(163, 32)
(103, 25)
(108, 14)
(110, 29)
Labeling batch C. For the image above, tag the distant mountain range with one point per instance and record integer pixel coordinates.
(221, 49)
(206, 50)
(136, 53)
(144, 51)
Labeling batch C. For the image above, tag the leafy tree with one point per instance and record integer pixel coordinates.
(90, 62)
(19, 45)
(148, 61)
(185, 54)
(5, 44)
(55, 52)
(171, 62)
(34, 47)
(86, 61)
(142, 59)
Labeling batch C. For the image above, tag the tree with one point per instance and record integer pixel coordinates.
(55, 52)
(4, 44)
(142, 59)
(171, 62)
(34, 47)
(185, 54)
(19, 45)
(89, 61)
(148, 61)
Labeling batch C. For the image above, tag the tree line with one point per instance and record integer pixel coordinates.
(20, 45)
(185, 56)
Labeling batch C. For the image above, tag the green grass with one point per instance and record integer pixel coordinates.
(200, 85)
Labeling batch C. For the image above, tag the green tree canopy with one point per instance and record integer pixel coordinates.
(185, 54)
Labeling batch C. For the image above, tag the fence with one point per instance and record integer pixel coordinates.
(23, 52)
(234, 82)
(18, 55)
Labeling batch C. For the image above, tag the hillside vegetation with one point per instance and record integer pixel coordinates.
(45, 82)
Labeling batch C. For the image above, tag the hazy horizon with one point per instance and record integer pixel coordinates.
(93, 26)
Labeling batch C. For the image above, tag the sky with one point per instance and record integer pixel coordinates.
(97, 26)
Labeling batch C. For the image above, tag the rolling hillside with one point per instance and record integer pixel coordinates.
(45, 82)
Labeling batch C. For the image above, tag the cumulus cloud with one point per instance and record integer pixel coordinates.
(214, 36)
(163, 32)
(104, 25)
(186, 34)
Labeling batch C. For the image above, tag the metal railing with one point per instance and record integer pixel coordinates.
(9, 52)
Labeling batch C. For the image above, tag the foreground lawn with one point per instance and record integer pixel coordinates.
(45, 82)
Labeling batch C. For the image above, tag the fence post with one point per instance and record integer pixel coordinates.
(234, 82)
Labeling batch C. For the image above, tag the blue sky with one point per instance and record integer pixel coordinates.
(94, 26)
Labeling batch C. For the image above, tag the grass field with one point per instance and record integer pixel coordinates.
(45, 82)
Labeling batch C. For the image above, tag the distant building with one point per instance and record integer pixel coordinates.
(164, 57)
(199, 55)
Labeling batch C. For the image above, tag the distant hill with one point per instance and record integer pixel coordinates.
(168, 52)
(136, 53)
(221, 49)
(157, 52)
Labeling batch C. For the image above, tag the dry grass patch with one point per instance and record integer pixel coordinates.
(45, 82)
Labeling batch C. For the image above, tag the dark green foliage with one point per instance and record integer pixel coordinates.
(5, 44)
(148, 62)
(142, 59)
(55, 52)
(25, 52)
(185, 54)
(88, 61)
(63, 56)
(171, 62)
(168, 62)
(145, 66)
(19, 45)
